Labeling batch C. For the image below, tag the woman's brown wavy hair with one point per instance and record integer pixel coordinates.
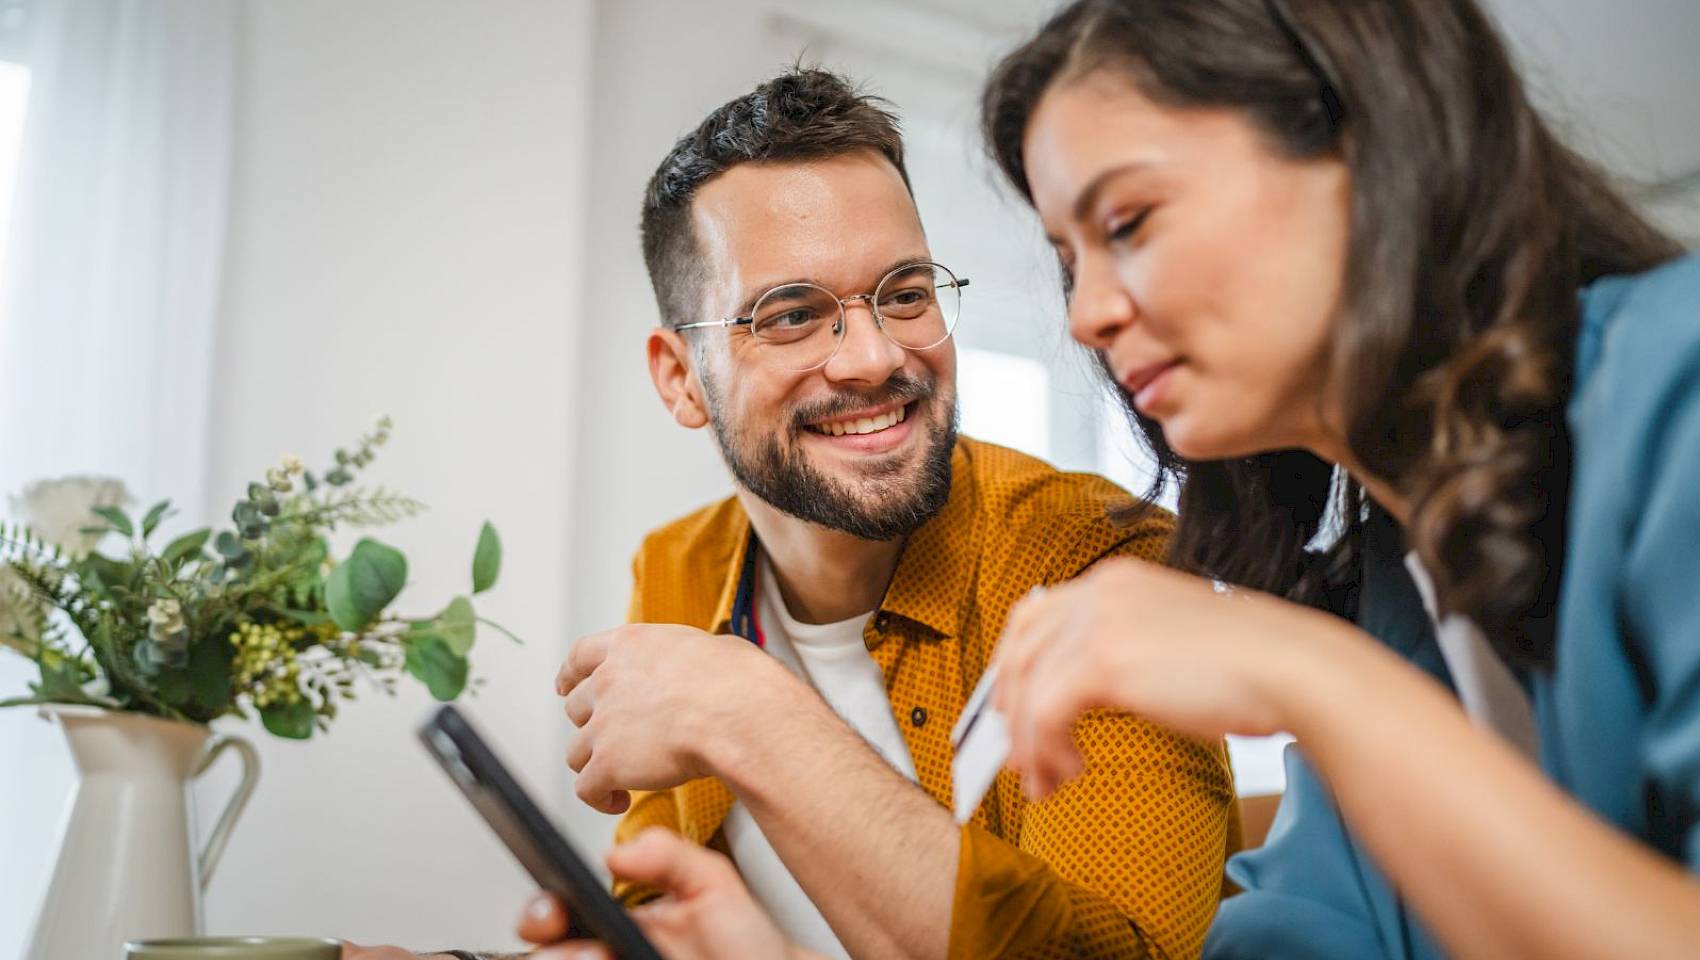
(1472, 229)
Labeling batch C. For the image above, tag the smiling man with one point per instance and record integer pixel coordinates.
(798, 653)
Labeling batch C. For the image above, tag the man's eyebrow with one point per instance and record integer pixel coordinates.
(751, 296)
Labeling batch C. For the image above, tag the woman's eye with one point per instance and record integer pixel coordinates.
(1124, 230)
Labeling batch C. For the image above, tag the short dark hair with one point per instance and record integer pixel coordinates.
(803, 114)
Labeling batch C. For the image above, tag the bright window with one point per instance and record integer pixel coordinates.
(1005, 399)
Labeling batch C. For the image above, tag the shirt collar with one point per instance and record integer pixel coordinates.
(734, 613)
(941, 558)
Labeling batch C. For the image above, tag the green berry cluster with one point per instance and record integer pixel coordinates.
(266, 664)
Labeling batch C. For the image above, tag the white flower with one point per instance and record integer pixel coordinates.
(165, 622)
(57, 510)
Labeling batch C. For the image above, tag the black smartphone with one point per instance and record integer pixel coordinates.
(534, 841)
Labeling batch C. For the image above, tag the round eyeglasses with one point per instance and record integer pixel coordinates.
(801, 325)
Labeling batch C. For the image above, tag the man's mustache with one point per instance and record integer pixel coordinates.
(901, 389)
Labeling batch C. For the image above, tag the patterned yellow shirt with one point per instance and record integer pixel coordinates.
(1125, 861)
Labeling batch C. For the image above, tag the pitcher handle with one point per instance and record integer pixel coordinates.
(238, 800)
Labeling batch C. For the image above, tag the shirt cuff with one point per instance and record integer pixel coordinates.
(1005, 899)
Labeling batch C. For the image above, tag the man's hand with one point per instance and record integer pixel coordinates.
(654, 704)
(705, 912)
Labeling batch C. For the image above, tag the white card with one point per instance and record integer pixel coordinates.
(981, 739)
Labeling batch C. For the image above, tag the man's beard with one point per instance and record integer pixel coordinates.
(895, 508)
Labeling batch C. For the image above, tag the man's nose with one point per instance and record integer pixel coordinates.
(867, 355)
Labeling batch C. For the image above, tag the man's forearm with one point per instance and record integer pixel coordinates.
(875, 853)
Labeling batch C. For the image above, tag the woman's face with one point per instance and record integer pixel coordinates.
(1205, 266)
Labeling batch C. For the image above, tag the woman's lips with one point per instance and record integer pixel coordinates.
(1145, 384)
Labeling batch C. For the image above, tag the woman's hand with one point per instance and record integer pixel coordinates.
(1128, 635)
(705, 911)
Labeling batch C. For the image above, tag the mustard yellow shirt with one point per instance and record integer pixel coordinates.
(1126, 860)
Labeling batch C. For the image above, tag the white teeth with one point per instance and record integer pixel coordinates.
(884, 421)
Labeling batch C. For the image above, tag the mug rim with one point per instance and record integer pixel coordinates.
(214, 948)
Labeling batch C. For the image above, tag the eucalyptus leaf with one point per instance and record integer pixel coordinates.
(442, 671)
(188, 545)
(486, 559)
(291, 720)
(458, 626)
(359, 589)
(249, 522)
(151, 521)
(228, 546)
(120, 522)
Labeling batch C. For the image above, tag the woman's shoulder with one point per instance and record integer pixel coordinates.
(1635, 408)
(1643, 324)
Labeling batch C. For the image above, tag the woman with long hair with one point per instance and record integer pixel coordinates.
(1430, 390)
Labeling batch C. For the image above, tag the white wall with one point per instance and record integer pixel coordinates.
(406, 238)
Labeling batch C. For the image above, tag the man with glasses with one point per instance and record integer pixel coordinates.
(798, 653)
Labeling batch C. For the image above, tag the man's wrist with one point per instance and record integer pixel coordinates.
(774, 702)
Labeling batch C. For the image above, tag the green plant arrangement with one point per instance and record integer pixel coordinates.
(255, 618)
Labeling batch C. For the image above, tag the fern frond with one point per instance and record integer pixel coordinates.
(19, 542)
(358, 508)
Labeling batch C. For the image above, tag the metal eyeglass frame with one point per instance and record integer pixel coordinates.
(957, 283)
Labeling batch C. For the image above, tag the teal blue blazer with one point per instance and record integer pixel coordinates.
(1618, 713)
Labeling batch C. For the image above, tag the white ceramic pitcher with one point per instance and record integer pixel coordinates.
(126, 869)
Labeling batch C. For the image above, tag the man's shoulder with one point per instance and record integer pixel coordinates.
(1075, 517)
(721, 524)
(681, 567)
(704, 539)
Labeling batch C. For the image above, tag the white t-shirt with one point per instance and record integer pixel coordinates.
(832, 658)
(1488, 689)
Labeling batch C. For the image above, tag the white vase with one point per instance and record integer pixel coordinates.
(126, 867)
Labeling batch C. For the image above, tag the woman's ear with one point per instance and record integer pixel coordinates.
(675, 379)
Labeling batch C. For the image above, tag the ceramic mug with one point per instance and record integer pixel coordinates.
(233, 948)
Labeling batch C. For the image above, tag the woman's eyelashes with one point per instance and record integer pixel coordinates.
(1123, 229)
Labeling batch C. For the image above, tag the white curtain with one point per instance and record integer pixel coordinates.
(108, 300)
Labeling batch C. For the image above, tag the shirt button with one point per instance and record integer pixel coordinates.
(918, 716)
(881, 621)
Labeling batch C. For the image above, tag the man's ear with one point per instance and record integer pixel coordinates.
(676, 379)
